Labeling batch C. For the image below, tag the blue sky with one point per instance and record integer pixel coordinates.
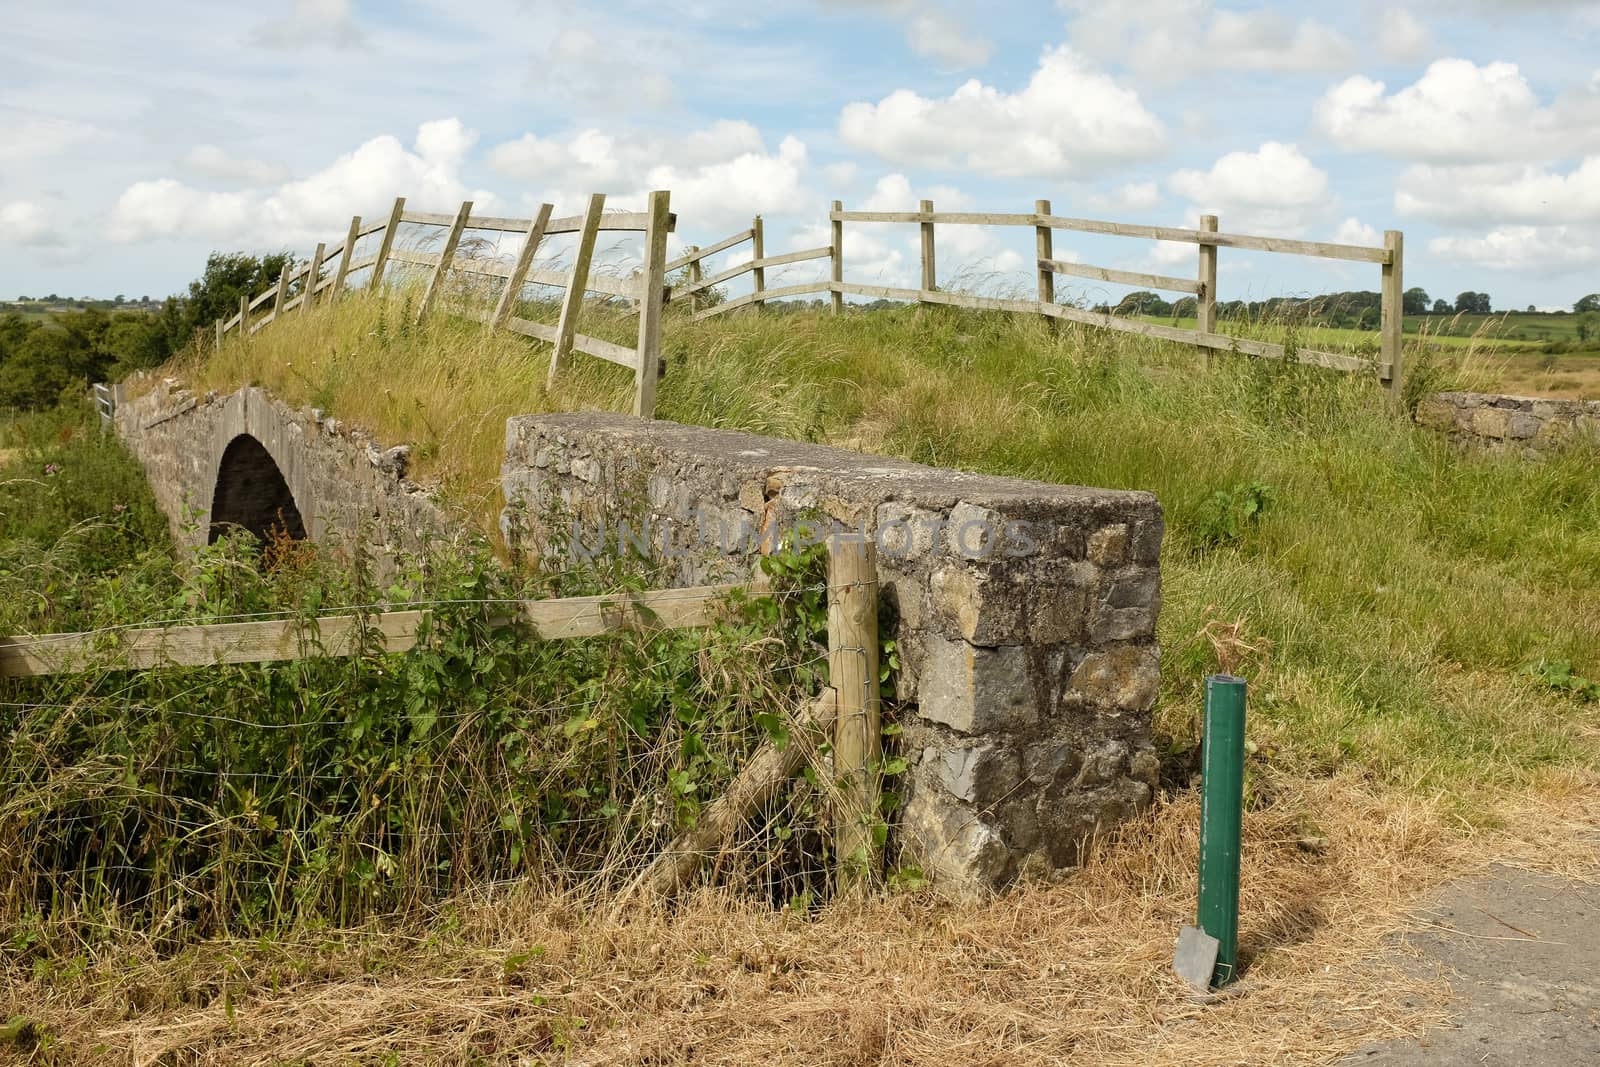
(133, 140)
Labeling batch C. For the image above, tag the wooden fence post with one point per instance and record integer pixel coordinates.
(1044, 249)
(437, 279)
(283, 292)
(220, 331)
(696, 274)
(929, 274)
(652, 298)
(350, 239)
(385, 244)
(519, 272)
(1393, 317)
(1206, 299)
(838, 259)
(313, 269)
(244, 314)
(853, 673)
(572, 301)
(758, 250)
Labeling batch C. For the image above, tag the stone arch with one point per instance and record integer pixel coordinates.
(251, 493)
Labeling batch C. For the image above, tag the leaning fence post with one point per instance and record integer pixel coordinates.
(1044, 250)
(838, 258)
(441, 272)
(313, 269)
(386, 243)
(1392, 323)
(244, 314)
(758, 251)
(653, 279)
(572, 300)
(929, 275)
(350, 238)
(283, 292)
(519, 271)
(853, 673)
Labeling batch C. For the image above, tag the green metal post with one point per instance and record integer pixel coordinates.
(1221, 811)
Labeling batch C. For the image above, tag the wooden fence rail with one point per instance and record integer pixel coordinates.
(1203, 286)
(329, 270)
(266, 641)
(853, 652)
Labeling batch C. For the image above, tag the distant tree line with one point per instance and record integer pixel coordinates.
(42, 359)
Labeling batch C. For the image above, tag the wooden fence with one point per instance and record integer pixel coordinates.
(329, 270)
(848, 710)
(1207, 238)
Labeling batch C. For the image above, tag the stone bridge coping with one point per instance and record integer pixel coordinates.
(740, 454)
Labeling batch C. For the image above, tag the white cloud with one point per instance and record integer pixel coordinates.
(35, 137)
(1275, 188)
(1402, 37)
(717, 176)
(361, 182)
(894, 192)
(311, 24)
(26, 223)
(1547, 250)
(1167, 40)
(1069, 120)
(1353, 231)
(1459, 112)
(1132, 196)
(1501, 193)
(932, 30)
(842, 174)
(214, 162)
(602, 73)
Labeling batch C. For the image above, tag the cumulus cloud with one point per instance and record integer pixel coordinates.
(1459, 112)
(1129, 197)
(26, 223)
(1167, 40)
(1069, 120)
(932, 29)
(1275, 188)
(214, 162)
(311, 24)
(1353, 231)
(1547, 250)
(1402, 37)
(1501, 193)
(363, 182)
(718, 175)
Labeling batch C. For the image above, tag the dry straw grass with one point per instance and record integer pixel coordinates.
(1074, 972)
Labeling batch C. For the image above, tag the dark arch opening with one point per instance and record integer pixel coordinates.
(251, 494)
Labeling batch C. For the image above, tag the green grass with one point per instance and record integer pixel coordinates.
(1403, 588)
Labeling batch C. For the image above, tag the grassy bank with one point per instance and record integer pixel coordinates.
(1401, 592)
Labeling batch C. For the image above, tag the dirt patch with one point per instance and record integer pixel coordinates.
(1518, 949)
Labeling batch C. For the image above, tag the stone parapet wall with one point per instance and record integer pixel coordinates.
(1026, 611)
(1524, 424)
(342, 482)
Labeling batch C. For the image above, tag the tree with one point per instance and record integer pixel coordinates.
(1143, 302)
(1588, 303)
(1473, 303)
(1589, 325)
(1441, 307)
(1415, 301)
(215, 294)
